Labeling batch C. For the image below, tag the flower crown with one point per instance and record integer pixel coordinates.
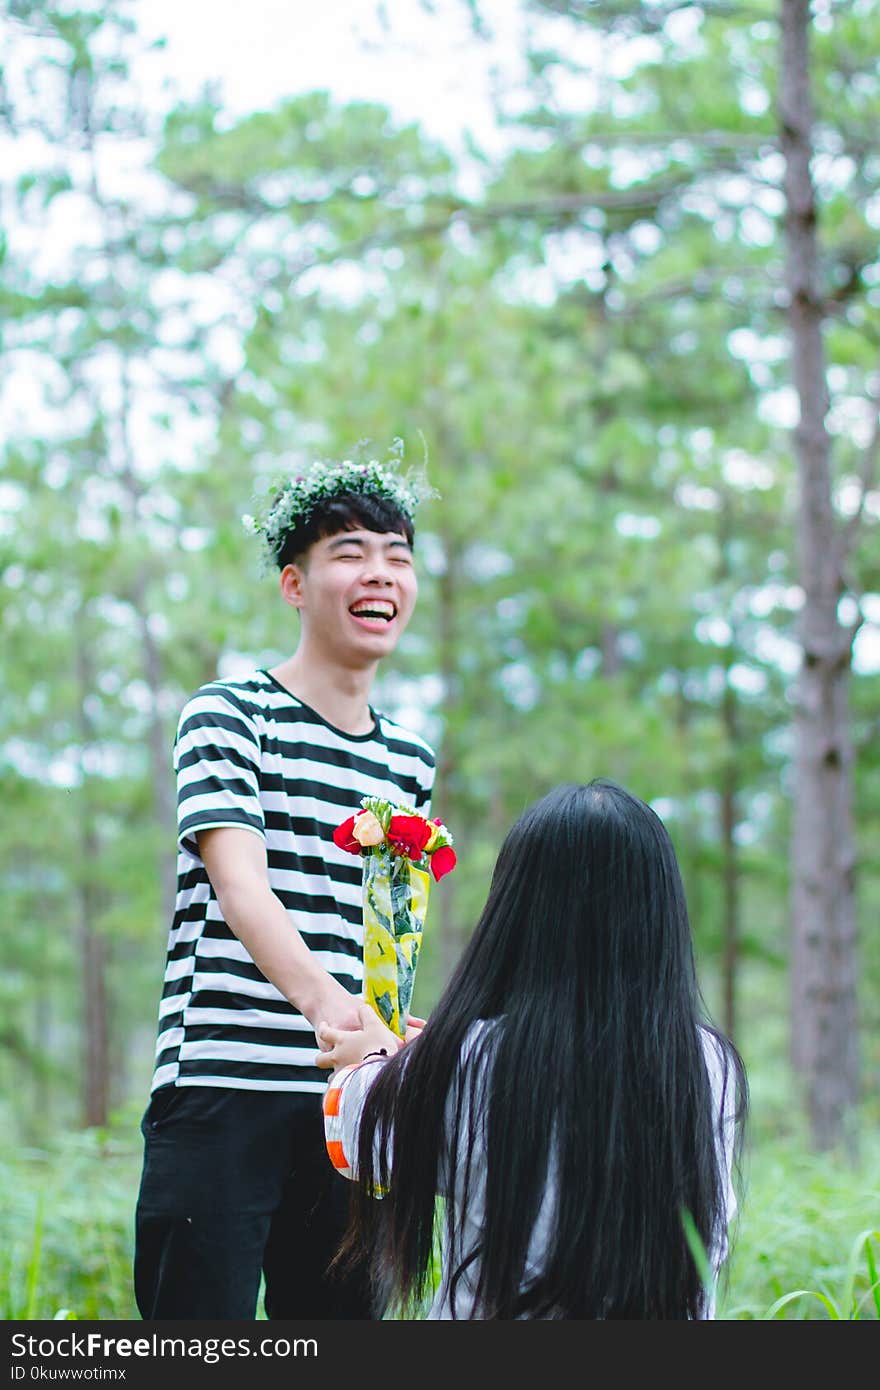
(296, 498)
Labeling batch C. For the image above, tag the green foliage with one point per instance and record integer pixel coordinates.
(851, 1303)
(589, 351)
(66, 1227)
(807, 1244)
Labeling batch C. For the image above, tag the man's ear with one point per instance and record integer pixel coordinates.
(291, 582)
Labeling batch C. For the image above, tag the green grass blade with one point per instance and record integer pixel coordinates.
(33, 1266)
(833, 1310)
(698, 1250)
(872, 1269)
(870, 1294)
(862, 1243)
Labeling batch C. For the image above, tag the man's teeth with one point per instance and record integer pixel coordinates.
(383, 610)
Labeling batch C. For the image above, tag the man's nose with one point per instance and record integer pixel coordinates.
(377, 570)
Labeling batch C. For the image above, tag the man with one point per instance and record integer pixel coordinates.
(267, 937)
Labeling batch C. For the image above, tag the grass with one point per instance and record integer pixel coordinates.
(852, 1303)
(806, 1246)
(66, 1228)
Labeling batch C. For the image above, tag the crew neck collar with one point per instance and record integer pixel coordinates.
(343, 733)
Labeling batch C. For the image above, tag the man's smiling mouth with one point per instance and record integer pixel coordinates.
(374, 610)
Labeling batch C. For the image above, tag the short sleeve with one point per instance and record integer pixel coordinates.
(217, 761)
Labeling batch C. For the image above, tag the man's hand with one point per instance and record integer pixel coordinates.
(414, 1026)
(344, 1046)
(337, 1009)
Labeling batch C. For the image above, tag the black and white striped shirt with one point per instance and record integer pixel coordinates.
(249, 754)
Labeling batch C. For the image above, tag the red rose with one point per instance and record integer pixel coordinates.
(409, 835)
(343, 837)
(442, 861)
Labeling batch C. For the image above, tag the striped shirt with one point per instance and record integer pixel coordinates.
(248, 754)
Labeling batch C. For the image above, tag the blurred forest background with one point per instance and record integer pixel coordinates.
(637, 341)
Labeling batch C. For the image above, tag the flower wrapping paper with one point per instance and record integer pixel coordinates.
(395, 902)
(398, 847)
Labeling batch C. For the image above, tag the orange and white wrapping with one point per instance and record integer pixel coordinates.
(342, 1105)
(333, 1130)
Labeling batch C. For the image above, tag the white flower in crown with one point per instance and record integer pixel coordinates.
(296, 498)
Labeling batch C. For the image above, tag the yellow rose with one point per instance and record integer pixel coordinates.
(436, 827)
(367, 829)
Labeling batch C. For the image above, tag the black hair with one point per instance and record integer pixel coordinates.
(592, 1065)
(345, 512)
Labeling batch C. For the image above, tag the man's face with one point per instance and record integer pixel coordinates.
(356, 591)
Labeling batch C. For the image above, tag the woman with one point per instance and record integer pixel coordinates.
(568, 1098)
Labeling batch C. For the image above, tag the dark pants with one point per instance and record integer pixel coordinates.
(235, 1184)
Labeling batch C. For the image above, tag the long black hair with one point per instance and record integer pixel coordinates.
(590, 1074)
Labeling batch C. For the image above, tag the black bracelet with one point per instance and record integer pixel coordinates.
(382, 1052)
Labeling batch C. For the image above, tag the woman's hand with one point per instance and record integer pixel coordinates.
(343, 1047)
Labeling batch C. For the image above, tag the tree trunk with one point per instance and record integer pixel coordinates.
(159, 744)
(92, 955)
(93, 973)
(690, 853)
(730, 866)
(451, 939)
(823, 960)
(729, 799)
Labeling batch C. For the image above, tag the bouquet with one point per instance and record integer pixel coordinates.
(398, 848)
